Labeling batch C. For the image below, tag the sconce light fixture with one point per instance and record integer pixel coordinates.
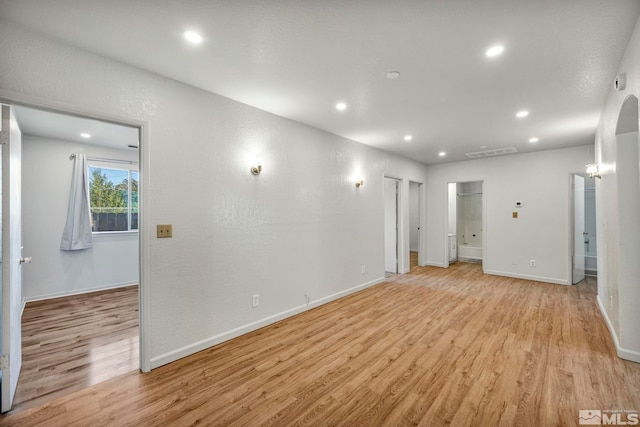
(593, 172)
(257, 167)
(360, 182)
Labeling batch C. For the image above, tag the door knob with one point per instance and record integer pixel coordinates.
(25, 260)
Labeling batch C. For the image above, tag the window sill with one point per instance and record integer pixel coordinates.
(114, 233)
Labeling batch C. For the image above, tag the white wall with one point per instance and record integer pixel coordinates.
(301, 227)
(541, 181)
(617, 297)
(46, 179)
(414, 215)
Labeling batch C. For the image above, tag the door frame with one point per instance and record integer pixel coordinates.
(400, 262)
(484, 219)
(421, 242)
(572, 225)
(144, 220)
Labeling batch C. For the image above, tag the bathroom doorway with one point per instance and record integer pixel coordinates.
(465, 222)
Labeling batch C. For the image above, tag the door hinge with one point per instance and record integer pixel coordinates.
(4, 362)
(4, 137)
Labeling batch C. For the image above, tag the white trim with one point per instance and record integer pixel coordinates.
(144, 218)
(622, 353)
(437, 264)
(79, 291)
(529, 277)
(190, 349)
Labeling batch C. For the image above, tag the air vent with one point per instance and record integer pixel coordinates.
(491, 153)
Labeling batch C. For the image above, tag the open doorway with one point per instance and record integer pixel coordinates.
(464, 241)
(584, 239)
(80, 323)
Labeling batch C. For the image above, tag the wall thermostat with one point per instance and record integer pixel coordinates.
(518, 204)
(620, 82)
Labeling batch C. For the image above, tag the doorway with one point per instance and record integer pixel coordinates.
(105, 275)
(583, 230)
(391, 225)
(465, 219)
(465, 222)
(415, 224)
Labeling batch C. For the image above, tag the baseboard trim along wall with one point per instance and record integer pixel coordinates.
(529, 277)
(623, 353)
(79, 291)
(190, 349)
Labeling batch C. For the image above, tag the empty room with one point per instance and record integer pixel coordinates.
(325, 213)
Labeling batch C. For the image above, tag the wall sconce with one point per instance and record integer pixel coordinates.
(360, 182)
(257, 167)
(592, 170)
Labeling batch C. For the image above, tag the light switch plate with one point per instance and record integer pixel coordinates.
(165, 230)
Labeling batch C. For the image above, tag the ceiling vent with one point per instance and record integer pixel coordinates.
(491, 153)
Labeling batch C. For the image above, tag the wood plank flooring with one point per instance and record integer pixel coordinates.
(73, 342)
(433, 347)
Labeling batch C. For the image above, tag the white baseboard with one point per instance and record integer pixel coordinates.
(529, 277)
(190, 349)
(436, 264)
(78, 291)
(623, 353)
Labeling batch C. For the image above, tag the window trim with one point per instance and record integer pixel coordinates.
(125, 165)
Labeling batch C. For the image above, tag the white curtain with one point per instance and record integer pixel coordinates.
(77, 230)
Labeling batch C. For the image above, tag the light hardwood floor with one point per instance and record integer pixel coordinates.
(433, 347)
(73, 342)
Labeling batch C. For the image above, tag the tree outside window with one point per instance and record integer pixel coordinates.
(113, 196)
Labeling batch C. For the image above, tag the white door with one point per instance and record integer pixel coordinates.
(11, 336)
(390, 225)
(578, 229)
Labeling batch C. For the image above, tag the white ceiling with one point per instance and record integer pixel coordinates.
(299, 58)
(70, 128)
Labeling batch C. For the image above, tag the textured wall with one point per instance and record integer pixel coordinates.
(618, 297)
(541, 232)
(300, 228)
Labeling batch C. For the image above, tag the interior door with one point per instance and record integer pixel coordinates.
(390, 225)
(11, 337)
(578, 229)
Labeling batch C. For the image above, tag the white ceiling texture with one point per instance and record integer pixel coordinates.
(299, 58)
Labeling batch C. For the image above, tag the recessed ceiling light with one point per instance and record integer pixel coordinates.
(192, 37)
(341, 106)
(534, 139)
(85, 135)
(442, 154)
(408, 137)
(521, 114)
(494, 51)
(393, 75)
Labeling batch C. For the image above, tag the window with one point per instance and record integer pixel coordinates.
(113, 196)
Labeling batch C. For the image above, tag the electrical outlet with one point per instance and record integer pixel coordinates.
(532, 263)
(256, 300)
(514, 261)
(364, 269)
(164, 230)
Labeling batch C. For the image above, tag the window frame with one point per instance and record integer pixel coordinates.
(124, 165)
